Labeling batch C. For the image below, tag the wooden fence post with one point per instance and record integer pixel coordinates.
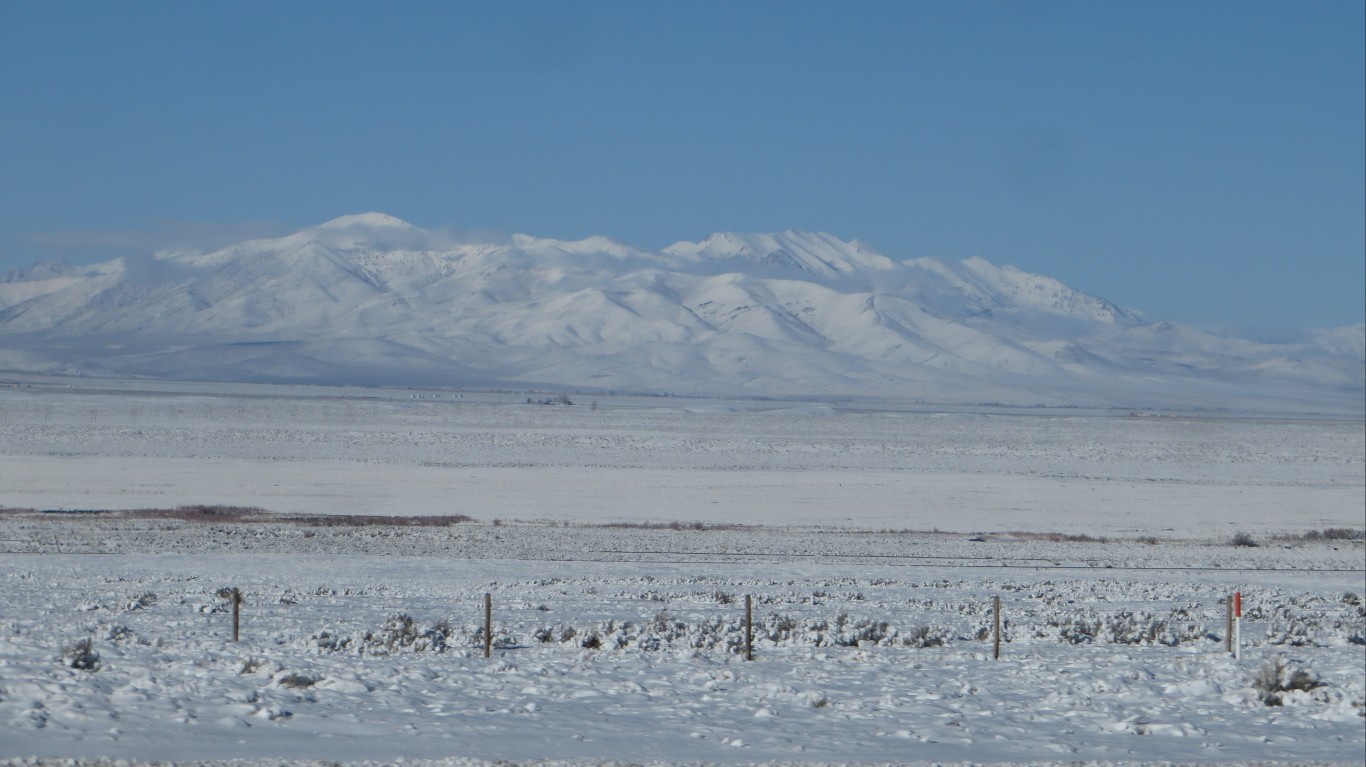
(749, 629)
(488, 623)
(996, 619)
(236, 612)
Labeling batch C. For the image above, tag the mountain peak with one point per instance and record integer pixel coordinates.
(747, 242)
(370, 220)
(370, 232)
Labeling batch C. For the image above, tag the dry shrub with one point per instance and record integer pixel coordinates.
(1277, 678)
(924, 636)
(1343, 534)
(1333, 534)
(347, 520)
(1056, 537)
(401, 632)
(203, 513)
(221, 514)
(674, 525)
(298, 681)
(82, 656)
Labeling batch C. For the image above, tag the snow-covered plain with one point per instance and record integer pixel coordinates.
(871, 538)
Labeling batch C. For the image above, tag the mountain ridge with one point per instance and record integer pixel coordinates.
(372, 298)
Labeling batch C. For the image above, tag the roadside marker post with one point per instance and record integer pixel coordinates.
(1228, 625)
(1238, 625)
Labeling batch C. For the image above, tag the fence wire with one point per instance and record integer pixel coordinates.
(594, 616)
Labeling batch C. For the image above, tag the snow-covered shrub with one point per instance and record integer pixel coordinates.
(82, 655)
(1127, 628)
(661, 621)
(923, 636)
(327, 642)
(1146, 629)
(140, 601)
(297, 681)
(778, 629)
(439, 635)
(1277, 679)
(1079, 630)
(1243, 539)
(987, 629)
(397, 632)
(115, 632)
(401, 632)
(850, 632)
(1294, 632)
(665, 629)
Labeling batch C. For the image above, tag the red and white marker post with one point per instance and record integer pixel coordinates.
(1238, 625)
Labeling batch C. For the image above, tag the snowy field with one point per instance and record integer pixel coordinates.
(871, 539)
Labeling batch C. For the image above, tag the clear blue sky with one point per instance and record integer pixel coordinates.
(1196, 160)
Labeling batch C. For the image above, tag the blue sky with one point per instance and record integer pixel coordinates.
(1200, 161)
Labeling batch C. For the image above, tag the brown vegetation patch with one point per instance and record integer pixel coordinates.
(347, 520)
(1327, 534)
(219, 514)
(675, 525)
(1059, 537)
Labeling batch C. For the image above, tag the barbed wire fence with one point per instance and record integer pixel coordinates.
(554, 613)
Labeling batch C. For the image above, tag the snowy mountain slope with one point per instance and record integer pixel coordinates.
(372, 299)
(818, 254)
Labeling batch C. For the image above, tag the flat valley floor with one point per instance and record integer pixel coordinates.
(618, 539)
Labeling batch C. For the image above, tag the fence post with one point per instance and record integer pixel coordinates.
(488, 623)
(996, 619)
(236, 612)
(749, 629)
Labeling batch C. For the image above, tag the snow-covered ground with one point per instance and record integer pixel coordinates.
(872, 541)
(671, 459)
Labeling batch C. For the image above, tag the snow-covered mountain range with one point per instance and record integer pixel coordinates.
(370, 299)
